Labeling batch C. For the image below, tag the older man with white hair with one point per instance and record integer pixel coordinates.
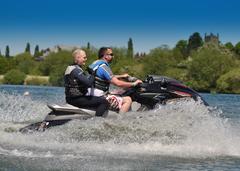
(77, 83)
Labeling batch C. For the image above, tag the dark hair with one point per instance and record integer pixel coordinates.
(102, 51)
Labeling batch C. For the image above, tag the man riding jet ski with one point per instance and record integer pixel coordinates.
(104, 77)
(77, 83)
(154, 90)
(82, 100)
(80, 89)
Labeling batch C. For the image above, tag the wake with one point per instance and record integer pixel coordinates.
(182, 129)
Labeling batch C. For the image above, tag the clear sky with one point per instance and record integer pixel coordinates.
(150, 23)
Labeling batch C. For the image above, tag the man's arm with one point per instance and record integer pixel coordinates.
(108, 75)
(121, 76)
(88, 81)
(115, 81)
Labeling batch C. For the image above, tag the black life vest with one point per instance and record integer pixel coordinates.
(73, 88)
(101, 84)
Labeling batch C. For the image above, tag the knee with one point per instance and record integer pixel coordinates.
(127, 99)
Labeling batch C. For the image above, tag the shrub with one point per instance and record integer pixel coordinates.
(229, 82)
(159, 60)
(6, 64)
(56, 77)
(55, 60)
(14, 76)
(3, 65)
(25, 62)
(207, 66)
(177, 73)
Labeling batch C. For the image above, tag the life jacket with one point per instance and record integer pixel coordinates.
(73, 88)
(99, 83)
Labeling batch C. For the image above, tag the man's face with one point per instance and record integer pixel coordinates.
(109, 55)
(81, 58)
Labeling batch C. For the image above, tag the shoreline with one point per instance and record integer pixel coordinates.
(32, 80)
(46, 78)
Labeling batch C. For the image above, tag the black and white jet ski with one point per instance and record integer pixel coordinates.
(154, 90)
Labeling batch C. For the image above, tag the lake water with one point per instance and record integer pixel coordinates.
(181, 136)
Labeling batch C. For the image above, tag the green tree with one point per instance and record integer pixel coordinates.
(130, 48)
(182, 46)
(56, 76)
(7, 52)
(53, 60)
(91, 54)
(3, 65)
(229, 45)
(14, 77)
(194, 42)
(158, 61)
(120, 57)
(237, 48)
(7, 64)
(25, 63)
(36, 51)
(88, 46)
(27, 49)
(207, 66)
(59, 48)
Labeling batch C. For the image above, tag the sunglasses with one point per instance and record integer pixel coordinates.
(111, 54)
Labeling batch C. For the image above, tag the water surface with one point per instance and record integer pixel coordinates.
(181, 136)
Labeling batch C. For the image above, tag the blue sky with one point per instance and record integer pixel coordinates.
(149, 23)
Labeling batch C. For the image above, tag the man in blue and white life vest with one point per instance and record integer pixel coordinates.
(77, 83)
(104, 77)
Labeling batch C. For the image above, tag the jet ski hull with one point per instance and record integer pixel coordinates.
(42, 126)
(59, 115)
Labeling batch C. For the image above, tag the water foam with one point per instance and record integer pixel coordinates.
(182, 129)
(19, 108)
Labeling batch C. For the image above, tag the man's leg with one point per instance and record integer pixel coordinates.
(102, 107)
(126, 104)
(100, 103)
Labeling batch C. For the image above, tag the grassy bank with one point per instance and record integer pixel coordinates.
(36, 80)
(1, 79)
(32, 80)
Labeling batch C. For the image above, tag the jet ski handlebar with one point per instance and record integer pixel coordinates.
(150, 79)
(131, 79)
(162, 80)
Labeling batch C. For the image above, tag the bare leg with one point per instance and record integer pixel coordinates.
(127, 102)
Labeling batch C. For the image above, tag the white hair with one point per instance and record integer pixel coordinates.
(77, 51)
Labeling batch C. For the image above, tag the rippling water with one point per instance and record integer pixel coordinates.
(181, 136)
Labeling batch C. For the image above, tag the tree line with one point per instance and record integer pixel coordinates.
(204, 66)
(37, 52)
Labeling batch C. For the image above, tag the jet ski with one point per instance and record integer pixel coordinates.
(157, 89)
(154, 90)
